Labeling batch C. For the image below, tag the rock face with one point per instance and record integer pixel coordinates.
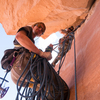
(87, 59)
(56, 14)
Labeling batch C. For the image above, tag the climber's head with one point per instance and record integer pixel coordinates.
(39, 27)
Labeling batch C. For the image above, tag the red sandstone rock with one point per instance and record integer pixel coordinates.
(56, 14)
(87, 60)
(59, 14)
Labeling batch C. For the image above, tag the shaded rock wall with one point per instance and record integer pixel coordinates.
(87, 59)
(56, 14)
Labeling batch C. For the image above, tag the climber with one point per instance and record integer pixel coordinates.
(24, 39)
(65, 32)
(25, 36)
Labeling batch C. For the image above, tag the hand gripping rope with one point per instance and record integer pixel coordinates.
(40, 75)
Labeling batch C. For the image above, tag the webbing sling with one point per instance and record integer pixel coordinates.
(47, 84)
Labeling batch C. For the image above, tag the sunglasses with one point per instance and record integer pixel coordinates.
(40, 26)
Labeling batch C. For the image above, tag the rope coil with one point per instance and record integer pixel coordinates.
(45, 82)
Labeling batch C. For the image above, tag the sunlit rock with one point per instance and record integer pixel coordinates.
(56, 14)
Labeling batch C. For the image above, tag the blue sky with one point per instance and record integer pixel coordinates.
(6, 42)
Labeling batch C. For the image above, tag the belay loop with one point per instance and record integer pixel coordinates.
(41, 81)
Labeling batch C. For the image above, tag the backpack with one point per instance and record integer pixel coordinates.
(7, 58)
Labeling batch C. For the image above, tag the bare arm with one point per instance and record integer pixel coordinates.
(26, 42)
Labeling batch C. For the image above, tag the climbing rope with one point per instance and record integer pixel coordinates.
(41, 81)
(70, 37)
(41, 75)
